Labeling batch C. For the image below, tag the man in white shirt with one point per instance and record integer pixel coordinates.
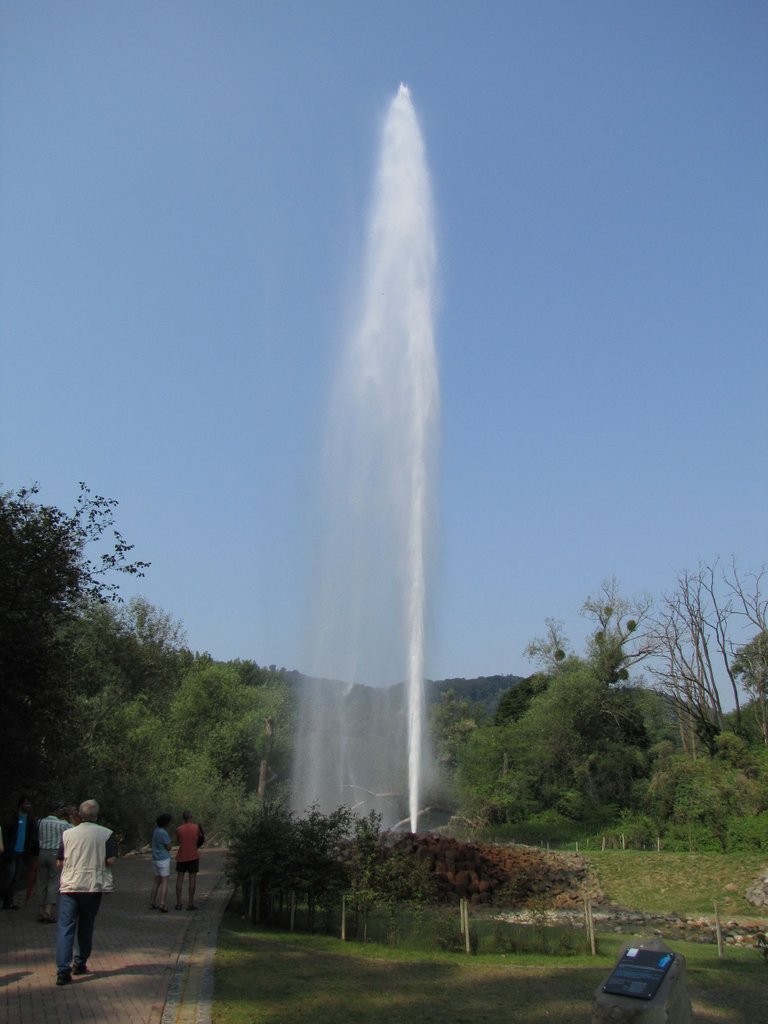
(86, 854)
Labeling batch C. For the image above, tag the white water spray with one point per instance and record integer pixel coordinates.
(370, 627)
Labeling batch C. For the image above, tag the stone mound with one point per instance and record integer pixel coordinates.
(513, 876)
(757, 893)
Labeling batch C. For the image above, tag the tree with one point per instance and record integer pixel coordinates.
(696, 650)
(621, 639)
(452, 724)
(750, 665)
(515, 702)
(550, 650)
(47, 575)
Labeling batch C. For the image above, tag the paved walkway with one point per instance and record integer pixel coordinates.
(147, 967)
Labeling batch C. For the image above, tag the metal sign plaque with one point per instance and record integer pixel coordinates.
(639, 973)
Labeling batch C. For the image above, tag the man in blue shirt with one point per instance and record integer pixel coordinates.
(20, 840)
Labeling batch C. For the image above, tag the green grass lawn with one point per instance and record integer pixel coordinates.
(266, 977)
(278, 978)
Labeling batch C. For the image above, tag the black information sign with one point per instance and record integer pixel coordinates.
(639, 973)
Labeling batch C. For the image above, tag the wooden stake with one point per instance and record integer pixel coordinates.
(589, 924)
(343, 918)
(719, 931)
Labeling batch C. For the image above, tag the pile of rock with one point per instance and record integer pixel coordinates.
(510, 875)
(757, 893)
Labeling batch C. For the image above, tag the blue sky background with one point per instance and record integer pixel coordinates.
(183, 193)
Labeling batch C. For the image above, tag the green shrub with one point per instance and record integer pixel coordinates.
(748, 833)
(506, 937)
(691, 837)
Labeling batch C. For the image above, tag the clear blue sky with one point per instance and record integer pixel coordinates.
(183, 192)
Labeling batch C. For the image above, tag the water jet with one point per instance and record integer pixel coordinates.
(371, 597)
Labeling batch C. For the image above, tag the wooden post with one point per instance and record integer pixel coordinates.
(719, 931)
(623, 842)
(461, 915)
(343, 918)
(465, 929)
(589, 924)
(658, 844)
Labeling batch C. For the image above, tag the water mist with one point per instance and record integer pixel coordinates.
(358, 747)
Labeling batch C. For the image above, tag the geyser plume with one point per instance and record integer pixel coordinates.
(357, 747)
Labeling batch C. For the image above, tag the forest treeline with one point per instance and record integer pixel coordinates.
(658, 729)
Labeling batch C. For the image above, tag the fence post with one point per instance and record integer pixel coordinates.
(467, 939)
(589, 923)
(343, 918)
(719, 931)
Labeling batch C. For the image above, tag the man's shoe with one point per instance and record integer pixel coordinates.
(80, 969)
(63, 978)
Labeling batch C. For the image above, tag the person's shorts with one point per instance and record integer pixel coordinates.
(162, 867)
(191, 867)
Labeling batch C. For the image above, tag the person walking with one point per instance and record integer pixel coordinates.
(161, 861)
(190, 837)
(86, 854)
(49, 832)
(20, 848)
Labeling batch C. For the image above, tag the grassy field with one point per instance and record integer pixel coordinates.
(265, 977)
(682, 883)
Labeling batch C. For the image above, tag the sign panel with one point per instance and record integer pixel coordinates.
(639, 973)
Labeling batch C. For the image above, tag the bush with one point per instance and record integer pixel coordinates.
(546, 940)
(748, 833)
(691, 838)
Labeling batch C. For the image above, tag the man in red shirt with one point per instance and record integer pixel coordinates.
(190, 838)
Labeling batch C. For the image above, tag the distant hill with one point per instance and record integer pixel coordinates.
(484, 691)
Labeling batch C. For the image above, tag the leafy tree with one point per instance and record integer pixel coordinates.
(750, 665)
(516, 701)
(452, 724)
(261, 846)
(51, 564)
(383, 872)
